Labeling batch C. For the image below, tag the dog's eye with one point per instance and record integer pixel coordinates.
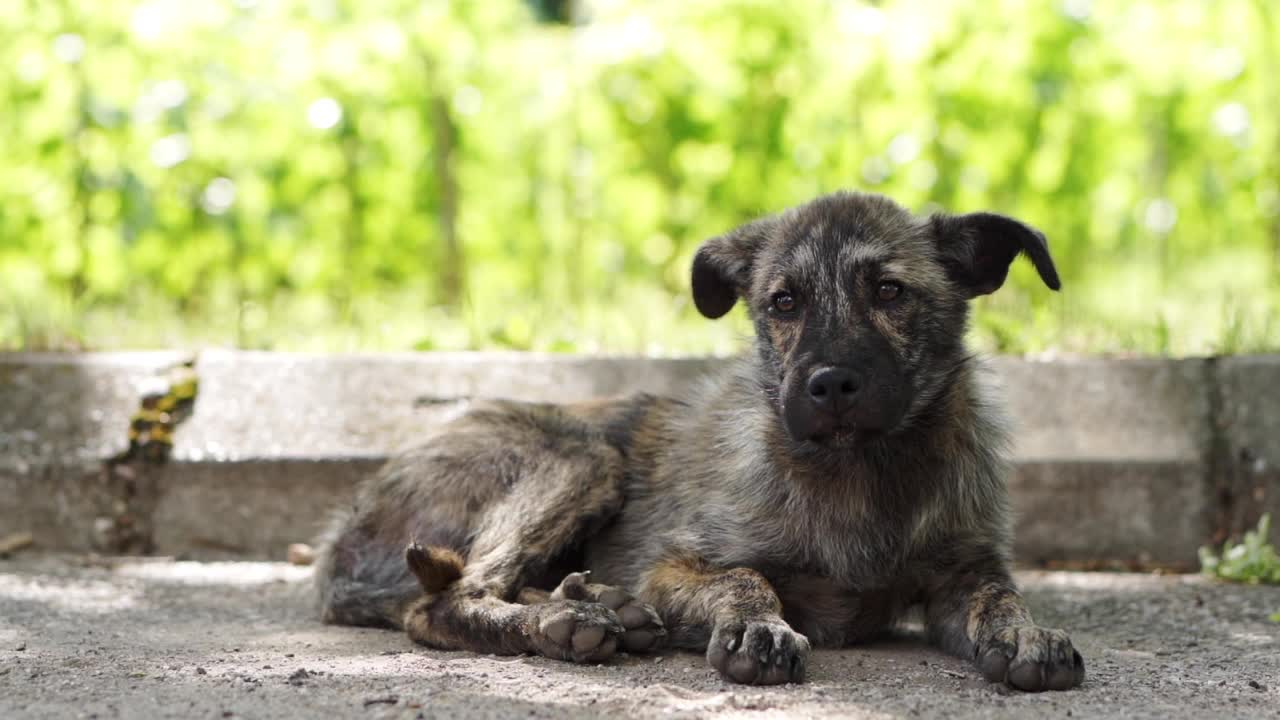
(888, 291)
(784, 302)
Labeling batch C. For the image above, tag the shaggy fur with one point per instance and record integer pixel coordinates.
(809, 493)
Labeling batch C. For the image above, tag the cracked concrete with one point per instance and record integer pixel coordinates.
(154, 638)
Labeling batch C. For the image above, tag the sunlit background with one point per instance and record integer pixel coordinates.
(534, 174)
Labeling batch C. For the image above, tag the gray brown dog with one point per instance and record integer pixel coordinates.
(850, 468)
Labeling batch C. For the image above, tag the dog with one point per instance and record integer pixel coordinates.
(809, 493)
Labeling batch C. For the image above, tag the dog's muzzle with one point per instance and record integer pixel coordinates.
(836, 405)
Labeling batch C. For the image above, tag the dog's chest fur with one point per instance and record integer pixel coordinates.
(856, 523)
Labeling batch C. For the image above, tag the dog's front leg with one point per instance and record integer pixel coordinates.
(979, 614)
(733, 613)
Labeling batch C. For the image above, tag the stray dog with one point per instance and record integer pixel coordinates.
(850, 468)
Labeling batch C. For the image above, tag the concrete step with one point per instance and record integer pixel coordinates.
(1134, 460)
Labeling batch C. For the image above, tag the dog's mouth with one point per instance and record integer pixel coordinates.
(863, 421)
(845, 437)
(819, 430)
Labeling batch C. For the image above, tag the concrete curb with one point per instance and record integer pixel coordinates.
(1133, 461)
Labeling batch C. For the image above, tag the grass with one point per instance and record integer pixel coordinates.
(1253, 560)
(1113, 311)
(640, 320)
(637, 321)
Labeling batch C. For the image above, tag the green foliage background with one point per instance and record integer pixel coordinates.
(394, 174)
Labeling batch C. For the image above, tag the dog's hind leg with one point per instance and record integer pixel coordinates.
(454, 617)
(567, 486)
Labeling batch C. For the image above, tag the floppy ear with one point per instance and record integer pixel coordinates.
(722, 266)
(978, 248)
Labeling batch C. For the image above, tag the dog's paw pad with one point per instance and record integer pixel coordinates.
(613, 598)
(643, 629)
(577, 631)
(640, 641)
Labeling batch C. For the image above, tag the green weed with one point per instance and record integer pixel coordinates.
(1253, 560)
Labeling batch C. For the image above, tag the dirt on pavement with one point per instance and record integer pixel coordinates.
(100, 638)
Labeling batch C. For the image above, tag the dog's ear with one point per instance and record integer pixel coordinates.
(978, 248)
(722, 266)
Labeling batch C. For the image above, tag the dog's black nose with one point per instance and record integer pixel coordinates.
(833, 388)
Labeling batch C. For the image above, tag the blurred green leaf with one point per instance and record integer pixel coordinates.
(1253, 560)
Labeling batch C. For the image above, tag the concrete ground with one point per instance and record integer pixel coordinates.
(152, 638)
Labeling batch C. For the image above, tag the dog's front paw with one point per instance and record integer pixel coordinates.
(1031, 658)
(758, 652)
(577, 631)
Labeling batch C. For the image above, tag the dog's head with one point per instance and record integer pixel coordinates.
(860, 307)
